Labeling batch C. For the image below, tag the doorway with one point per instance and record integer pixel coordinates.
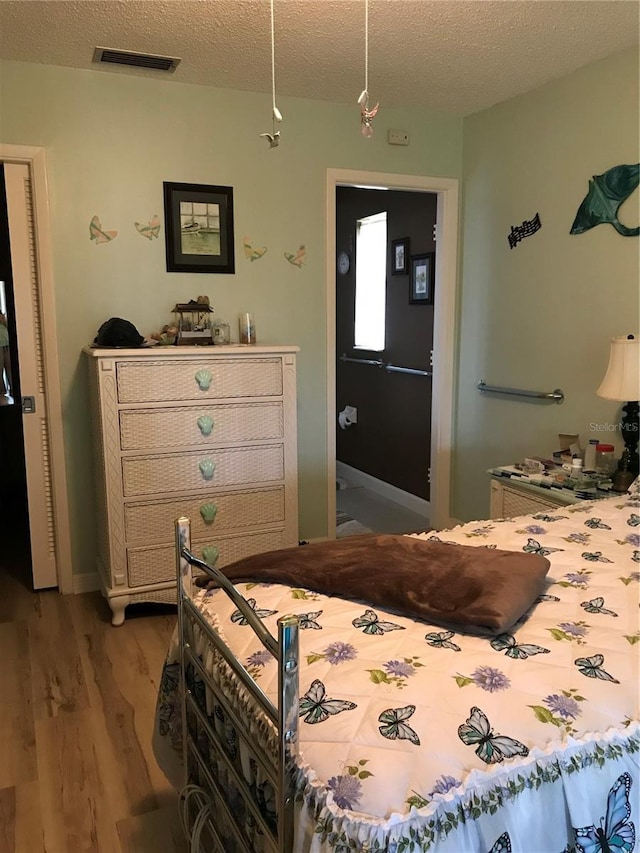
(446, 192)
(15, 559)
(32, 327)
(383, 367)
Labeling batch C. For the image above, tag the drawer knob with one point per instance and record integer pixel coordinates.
(207, 468)
(208, 513)
(205, 424)
(203, 378)
(210, 554)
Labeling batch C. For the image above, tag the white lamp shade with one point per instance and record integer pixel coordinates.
(622, 379)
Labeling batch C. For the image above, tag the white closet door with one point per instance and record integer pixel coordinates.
(36, 438)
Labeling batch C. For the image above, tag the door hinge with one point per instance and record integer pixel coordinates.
(431, 359)
(435, 232)
(28, 405)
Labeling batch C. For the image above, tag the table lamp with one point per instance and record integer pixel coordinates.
(622, 383)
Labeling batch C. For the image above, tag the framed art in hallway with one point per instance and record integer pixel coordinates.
(422, 279)
(199, 228)
(400, 256)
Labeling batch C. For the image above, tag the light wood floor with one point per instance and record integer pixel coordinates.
(77, 701)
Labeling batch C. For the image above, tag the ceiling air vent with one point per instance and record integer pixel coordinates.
(135, 60)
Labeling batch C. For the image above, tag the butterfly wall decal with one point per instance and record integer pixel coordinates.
(442, 640)
(251, 253)
(534, 547)
(507, 643)
(616, 833)
(633, 520)
(149, 231)
(97, 234)
(546, 597)
(592, 668)
(491, 747)
(596, 605)
(297, 258)
(239, 619)
(371, 624)
(394, 726)
(315, 707)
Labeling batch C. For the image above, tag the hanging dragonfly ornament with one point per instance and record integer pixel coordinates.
(366, 115)
(276, 115)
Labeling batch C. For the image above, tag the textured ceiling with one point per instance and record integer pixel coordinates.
(457, 56)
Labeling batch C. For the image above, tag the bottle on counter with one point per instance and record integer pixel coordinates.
(605, 459)
(590, 455)
(576, 468)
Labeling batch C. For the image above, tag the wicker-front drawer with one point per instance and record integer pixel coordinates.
(515, 503)
(146, 429)
(158, 564)
(153, 475)
(153, 521)
(202, 378)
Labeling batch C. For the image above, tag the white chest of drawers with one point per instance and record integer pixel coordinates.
(209, 433)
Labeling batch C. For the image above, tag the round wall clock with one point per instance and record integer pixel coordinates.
(344, 263)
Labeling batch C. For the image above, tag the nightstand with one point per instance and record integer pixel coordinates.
(513, 494)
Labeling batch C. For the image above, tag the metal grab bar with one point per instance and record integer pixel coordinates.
(371, 361)
(390, 368)
(557, 395)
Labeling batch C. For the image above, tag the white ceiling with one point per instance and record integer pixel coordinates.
(457, 56)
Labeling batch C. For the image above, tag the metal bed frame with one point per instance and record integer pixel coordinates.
(212, 818)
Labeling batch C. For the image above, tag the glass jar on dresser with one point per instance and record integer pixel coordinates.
(207, 433)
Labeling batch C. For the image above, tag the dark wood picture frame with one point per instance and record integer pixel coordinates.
(199, 228)
(400, 256)
(423, 268)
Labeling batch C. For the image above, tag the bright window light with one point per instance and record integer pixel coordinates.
(371, 282)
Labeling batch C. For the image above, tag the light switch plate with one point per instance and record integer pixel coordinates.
(398, 137)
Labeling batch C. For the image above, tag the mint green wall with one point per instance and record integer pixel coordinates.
(540, 316)
(111, 140)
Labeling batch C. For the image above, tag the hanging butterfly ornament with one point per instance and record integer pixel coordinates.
(274, 136)
(276, 115)
(366, 115)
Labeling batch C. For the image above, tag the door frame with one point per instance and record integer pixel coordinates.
(34, 158)
(444, 325)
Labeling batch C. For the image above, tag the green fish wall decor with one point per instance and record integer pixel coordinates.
(606, 193)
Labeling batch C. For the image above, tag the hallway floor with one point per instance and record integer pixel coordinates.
(378, 513)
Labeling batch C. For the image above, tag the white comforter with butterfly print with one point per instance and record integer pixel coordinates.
(416, 738)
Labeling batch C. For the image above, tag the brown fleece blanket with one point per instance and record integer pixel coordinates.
(460, 587)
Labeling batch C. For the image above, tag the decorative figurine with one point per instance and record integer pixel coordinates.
(193, 322)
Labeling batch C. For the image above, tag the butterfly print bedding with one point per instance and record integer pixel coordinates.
(423, 703)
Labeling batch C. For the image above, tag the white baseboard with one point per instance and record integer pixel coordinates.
(386, 490)
(86, 582)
